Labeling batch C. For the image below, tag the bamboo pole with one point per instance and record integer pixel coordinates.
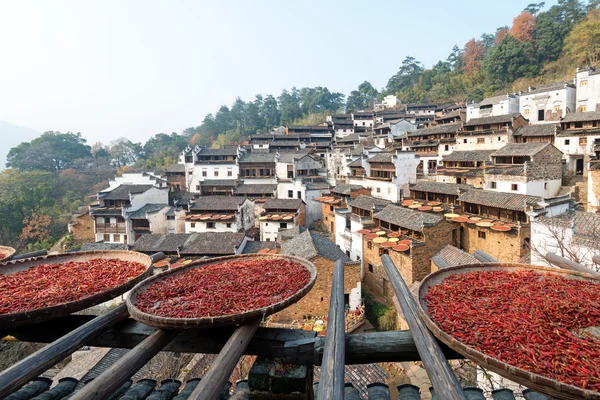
(564, 263)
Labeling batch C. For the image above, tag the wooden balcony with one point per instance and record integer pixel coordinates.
(118, 227)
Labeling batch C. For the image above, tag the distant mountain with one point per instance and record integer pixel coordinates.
(11, 136)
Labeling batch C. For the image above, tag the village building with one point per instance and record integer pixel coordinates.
(489, 133)
(323, 253)
(445, 193)
(534, 169)
(427, 233)
(431, 144)
(343, 125)
(321, 136)
(192, 245)
(280, 214)
(579, 139)
(258, 167)
(176, 179)
(541, 133)
(153, 218)
(588, 90)
(364, 118)
(390, 101)
(217, 187)
(493, 107)
(116, 203)
(547, 103)
(203, 164)
(421, 109)
(454, 116)
(257, 192)
(220, 214)
(450, 256)
(81, 225)
(464, 167)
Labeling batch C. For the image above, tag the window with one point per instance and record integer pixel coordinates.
(567, 142)
(299, 193)
(290, 193)
(526, 112)
(583, 108)
(499, 138)
(465, 141)
(106, 237)
(540, 115)
(378, 190)
(330, 208)
(389, 190)
(514, 187)
(557, 108)
(229, 225)
(204, 173)
(582, 141)
(369, 245)
(268, 239)
(216, 173)
(283, 225)
(583, 83)
(493, 185)
(446, 147)
(545, 185)
(229, 173)
(210, 225)
(480, 140)
(116, 238)
(371, 268)
(481, 234)
(193, 224)
(578, 124)
(198, 187)
(170, 217)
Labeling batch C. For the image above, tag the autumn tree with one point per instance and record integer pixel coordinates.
(583, 43)
(523, 26)
(36, 228)
(500, 35)
(473, 54)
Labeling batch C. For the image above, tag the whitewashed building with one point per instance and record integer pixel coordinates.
(489, 133)
(210, 164)
(281, 214)
(547, 103)
(390, 101)
(494, 106)
(220, 214)
(579, 139)
(588, 90)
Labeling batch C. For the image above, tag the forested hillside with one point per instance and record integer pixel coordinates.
(49, 176)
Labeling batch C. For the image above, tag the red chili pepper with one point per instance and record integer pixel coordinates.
(229, 288)
(530, 320)
(52, 284)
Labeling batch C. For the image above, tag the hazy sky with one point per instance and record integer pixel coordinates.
(134, 68)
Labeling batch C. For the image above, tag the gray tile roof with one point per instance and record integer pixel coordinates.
(175, 168)
(218, 203)
(258, 158)
(406, 218)
(512, 170)
(252, 247)
(469, 155)
(219, 182)
(507, 201)
(345, 189)
(356, 163)
(353, 137)
(227, 151)
(548, 87)
(212, 243)
(147, 209)
(450, 256)
(382, 157)
(290, 156)
(536, 130)
(493, 100)
(520, 149)
(436, 130)
(367, 202)
(256, 189)
(310, 244)
(283, 204)
(122, 192)
(499, 119)
(582, 116)
(441, 188)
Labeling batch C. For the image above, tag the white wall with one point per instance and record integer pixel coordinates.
(588, 95)
(548, 188)
(201, 226)
(530, 104)
(390, 101)
(270, 229)
(221, 169)
(134, 179)
(151, 196)
(491, 142)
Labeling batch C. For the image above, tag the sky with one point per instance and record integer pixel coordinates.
(134, 68)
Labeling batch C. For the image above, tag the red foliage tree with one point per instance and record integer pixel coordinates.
(472, 56)
(523, 26)
(36, 228)
(500, 35)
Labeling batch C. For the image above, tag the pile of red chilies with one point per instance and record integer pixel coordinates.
(525, 319)
(223, 289)
(52, 284)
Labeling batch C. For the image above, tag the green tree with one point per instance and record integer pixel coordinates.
(289, 106)
(124, 152)
(52, 152)
(408, 75)
(269, 112)
(223, 120)
(507, 61)
(355, 101)
(534, 8)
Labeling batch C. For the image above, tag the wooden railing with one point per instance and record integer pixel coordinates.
(118, 227)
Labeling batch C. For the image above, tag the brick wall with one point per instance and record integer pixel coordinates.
(503, 246)
(546, 165)
(301, 220)
(362, 191)
(328, 218)
(316, 302)
(84, 229)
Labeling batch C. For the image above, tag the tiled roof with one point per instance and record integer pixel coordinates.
(345, 189)
(512, 170)
(507, 201)
(356, 163)
(283, 204)
(438, 129)
(493, 100)
(122, 192)
(289, 157)
(219, 182)
(451, 114)
(548, 88)
(227, 151)
(450, 256)
(175, 168)
(310, 244)
(146, 209)
(424, 105)
(582, 116)
(520, 149)
(382, 157)
(439, 187)
(469, 155)
(536, 130)
(255, 189)
(353, 137)
(252, 247)
(499, 119)
(218, 203)
(367, 202)
(409, 219)
(258, 158)
(212, 243)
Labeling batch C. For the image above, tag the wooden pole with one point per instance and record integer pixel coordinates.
(564, 263)
(596, 259)
(331, 382)
(212, 383)
(442, 378)
(110, 380)
(25, 370)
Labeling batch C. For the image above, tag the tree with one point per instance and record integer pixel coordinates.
(269, 112)
(507, 61)
(36, 228)
(523, 26)
(355, 101)
(534, 8)
(124, 152)
(455, 59)
(408, 75)
(52, 152)
(223, 121)
(583, 43)
(369, 93)
(500, 34)
(473, 55)
(289, 106)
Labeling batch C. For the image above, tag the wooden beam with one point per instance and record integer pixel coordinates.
(564, 263)
(110, 380)
(596, 259)
(441, 375)
(331, 381)
(25, 370)
(212, 383)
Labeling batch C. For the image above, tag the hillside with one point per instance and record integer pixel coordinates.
(11, 136)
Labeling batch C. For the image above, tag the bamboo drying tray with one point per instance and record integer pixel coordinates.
(13, 320)
(539, 383)
(9, 251)
(217, 321)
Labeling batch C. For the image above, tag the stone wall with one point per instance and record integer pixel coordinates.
(83, 230)
(593, 197)
(503, 246)
(301, 220)
(545, 165)
(316, 302)
(329, 218)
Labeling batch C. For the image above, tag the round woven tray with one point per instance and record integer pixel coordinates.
(218, 321)
(13, 320)
(539, 383)
(9, 251)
